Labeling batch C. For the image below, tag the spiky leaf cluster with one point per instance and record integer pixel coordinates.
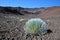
(35, 26)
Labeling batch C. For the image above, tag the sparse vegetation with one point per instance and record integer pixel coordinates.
(11, 25)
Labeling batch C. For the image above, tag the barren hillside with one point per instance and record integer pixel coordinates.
(12, 21)
(50, 12)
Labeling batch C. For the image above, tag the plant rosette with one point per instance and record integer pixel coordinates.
(35, 26)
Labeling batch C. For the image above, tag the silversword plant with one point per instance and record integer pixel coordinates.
(35, 26)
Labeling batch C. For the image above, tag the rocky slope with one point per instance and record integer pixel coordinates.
(12, 21)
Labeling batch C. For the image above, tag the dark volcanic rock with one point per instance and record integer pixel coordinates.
(14, 10)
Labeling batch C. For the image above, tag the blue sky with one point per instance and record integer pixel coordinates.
(30, 3)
